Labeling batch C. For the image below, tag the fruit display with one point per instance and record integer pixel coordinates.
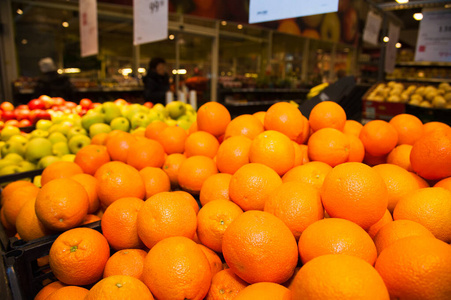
(270, 205)
(413, 94)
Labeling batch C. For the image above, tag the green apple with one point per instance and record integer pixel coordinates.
(37, 181)
(170, 122)
(23, 140)
(7, 162)
(134, 131)
(140, 120)
(43, 124)
(176, 109)
(77, 142)
(120, 123)
(56, 137)
(8, 131)
(155, 115)
(184, 123)
(2, 143)
(92, 117)
(111, 111)
(68, 157)
(160, 108)
(38, 133)
(97, 128)
(62, 127)
(10, 169)
(47, 160)
(14, 157)
(58, 117)
(133, 109)
(38, 148)
(75, 119)
(76, 130)
(60, 149)
(13, 147)
(25, 166)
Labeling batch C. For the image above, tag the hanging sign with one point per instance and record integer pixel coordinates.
(150, 21)
(270, 10)
(390, 50)
(372, 28)
(434, 36)
(89, 42)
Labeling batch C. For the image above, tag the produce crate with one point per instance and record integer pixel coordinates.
(26, 277)
(427, 114)
(373, 110)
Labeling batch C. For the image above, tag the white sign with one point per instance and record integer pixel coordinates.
(390, 49)
(372, 28)
(434, 36)
(270, 10)
(89, 42)
(150, 21)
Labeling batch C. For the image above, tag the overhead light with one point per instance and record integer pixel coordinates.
(71, 70)
(240, 26)
(385, 39)
(223, 23)
(24, 41)
(398, 45)
(171, 37)
(402, 1)
(65, 24)
(179, 71)
(19, 11)
(141, 70)
(447, 5)
(418, 16)
(125, 71)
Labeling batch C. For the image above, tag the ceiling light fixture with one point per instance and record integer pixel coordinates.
(240, 26)
(19, 11)
(402, 1)
(418, 16)
(65, 24)
(398, 45)
(223, 23)
(385, 39)
(171, 37)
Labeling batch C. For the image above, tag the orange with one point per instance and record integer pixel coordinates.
(300, 154)
(145, 153)
(69, 293)
(99, 139)
(378, 137)
(421, 182)
(356, 192)
(62, 204)
(373, 160)
(352, 127)
(164, 215)
(154, 129)
(265, 291)
(233, 153)
(398, 182)
(251, 184)
(60, 169)
(356, 149)
(374, 229)
(329, 145)
(118, 145)
(10, 189)
(245, 125)
(444, 183)
(188, 198)
(194, 171)
(338, 276)
(225, 285)
(128, 262)
(48, 289)
(117, 180)
(201, 143)
(212, 221)
(312, 173)
(155, 181)
(302, 139)
(119, 287)
(78, 256)
(27, 223)
(215, 187)
(89, 182)
(431, 207)
(273, 149)
(297, 204)
(431, 155)
(260, 115)
(213, 259)
(213, 117)
(176, 268)
(173, 138)
(336, 236)
(396, 230)
(91, 157)
(400, 156)
(409, 128)
(119, 223)
(257, 246)
(416, 268)
(171, 167)
(285, 118)
(327, 114)
(433, 126)
(192, 128)
(14, 200)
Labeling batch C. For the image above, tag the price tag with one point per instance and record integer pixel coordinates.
(270, 10)
(390, 50)
(89, 42)
(372, 28)
(434, 36)
(150, 21)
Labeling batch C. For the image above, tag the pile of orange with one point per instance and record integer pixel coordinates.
(225, 209)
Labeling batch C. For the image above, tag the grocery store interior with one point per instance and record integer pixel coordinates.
(221, 55)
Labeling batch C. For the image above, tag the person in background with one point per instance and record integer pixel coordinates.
(156, 81)
(51, 83)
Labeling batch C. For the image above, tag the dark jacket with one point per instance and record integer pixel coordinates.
(54, 85)
(155, 87)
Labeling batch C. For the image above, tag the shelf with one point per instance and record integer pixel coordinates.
(93, 89)
(262, 90)
(423, 64)
(434, 80)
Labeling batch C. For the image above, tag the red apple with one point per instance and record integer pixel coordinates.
(22, 107)
(36, 104)
(47, 100)
(7, 106)
(85, 103)
(44, 114)
(12, 123)
(70, 104)
(148, 104)
(58, 101)
(9, 115)
(120, 102)
(22, 114)
(25, 123)
(95, 104)
(350, 23)
(82, 112)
